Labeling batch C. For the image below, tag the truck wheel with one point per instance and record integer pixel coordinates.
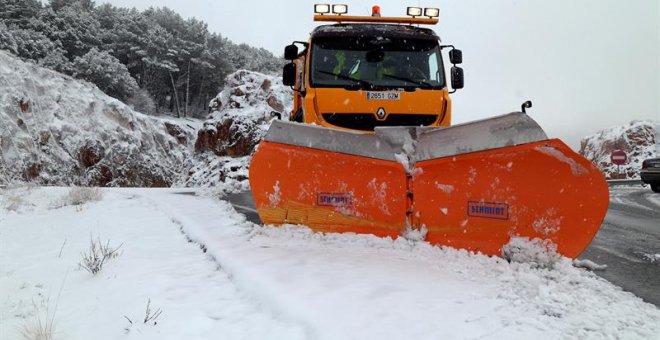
(655, 187)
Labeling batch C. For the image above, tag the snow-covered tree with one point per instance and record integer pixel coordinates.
(33, 45)
(56, 60)
(176, 61)
(7, 41)
(76, 28)
(107, 72)
(18, 12)
(56, 5)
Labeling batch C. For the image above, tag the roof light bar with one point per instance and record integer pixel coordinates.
(414, 11)
(339, 9)
(432, 12)
(321, 9)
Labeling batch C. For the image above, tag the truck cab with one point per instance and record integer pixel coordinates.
(364, 72)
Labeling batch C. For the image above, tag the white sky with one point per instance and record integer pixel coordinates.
(586, 64)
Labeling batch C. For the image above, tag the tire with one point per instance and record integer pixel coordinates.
(655, 187)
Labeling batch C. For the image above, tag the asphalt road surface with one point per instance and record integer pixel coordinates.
(628, 242)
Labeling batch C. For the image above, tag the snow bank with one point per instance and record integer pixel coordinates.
(395, 289)
(536, 252)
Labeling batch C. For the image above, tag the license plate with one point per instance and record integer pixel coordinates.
(655, 165)
(383, 95)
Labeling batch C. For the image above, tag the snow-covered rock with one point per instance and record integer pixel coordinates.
(242, 112)
(639, 140)
(56, 130)
(241, 115)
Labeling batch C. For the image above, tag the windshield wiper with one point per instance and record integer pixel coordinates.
(418, 82)
(359, 82)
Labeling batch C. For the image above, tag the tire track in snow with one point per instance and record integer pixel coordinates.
(257, 295)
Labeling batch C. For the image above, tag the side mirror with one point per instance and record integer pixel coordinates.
(456, 78)
(291, 52)
(289, 74)
(455, 56)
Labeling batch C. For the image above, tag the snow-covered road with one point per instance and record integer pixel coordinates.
(236, 280)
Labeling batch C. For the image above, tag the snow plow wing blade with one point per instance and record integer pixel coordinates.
(473, 186)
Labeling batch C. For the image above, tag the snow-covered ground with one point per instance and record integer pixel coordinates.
(214, 275)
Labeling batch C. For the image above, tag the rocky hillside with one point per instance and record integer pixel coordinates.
(639, 139)
(241, 114)
(56, 130)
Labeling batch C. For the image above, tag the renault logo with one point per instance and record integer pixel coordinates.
(381, 113)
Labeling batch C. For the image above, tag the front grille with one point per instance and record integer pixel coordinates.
(367, 121)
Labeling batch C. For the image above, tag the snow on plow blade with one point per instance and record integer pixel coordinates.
(472, 186)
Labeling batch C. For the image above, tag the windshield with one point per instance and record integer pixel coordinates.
(372, 63)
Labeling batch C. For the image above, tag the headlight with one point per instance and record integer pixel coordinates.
(321, 8)
(340, 9)
(431, 12)
(414, 11)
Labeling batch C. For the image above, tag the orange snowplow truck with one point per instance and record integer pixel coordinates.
(370, 149)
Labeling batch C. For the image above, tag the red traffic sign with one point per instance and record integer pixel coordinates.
(619, 157)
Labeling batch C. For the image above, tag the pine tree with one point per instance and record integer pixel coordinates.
(104, 70)
(73, 26)
(177, 62)
(18, 12)
(7, 41)
(56, 5)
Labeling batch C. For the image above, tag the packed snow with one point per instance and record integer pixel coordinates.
(212, 274)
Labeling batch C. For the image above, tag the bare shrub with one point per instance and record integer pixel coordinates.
(98, 254)
(82, 195)
(12, 202)
(142, 102)
(150, 316)
(79, 196)
(41, 326)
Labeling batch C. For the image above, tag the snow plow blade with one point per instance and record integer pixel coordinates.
(473, 186)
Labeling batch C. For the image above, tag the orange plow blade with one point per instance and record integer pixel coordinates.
(478, 201)
(326, 190)
(473, 186)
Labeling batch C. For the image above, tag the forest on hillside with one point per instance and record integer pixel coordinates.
(154, 59)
